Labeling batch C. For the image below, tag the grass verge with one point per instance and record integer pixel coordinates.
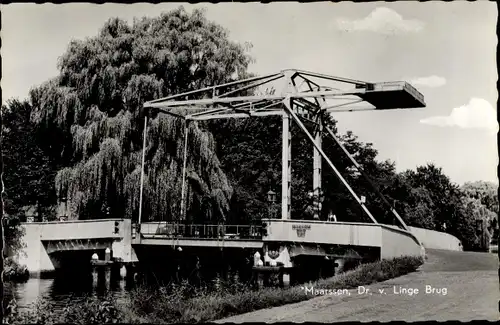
(199, 306)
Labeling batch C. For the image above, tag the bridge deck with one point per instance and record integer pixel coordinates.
(392, 240)
(164, 240)
(81, 229)
(199, 235)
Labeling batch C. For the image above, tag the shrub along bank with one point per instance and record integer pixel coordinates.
(14, 272)
(189, 305)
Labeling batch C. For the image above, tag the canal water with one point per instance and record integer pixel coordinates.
(64, 289)
(75, 284)
(72, 287)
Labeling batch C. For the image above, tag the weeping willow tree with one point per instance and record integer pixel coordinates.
(91, 114)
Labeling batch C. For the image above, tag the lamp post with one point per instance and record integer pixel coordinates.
(271, 199)
(309, 213)
(480, 230)
(64, 200)
(393, 216)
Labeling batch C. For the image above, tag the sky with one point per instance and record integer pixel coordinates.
(447, 50)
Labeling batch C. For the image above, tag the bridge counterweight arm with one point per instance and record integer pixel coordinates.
(141, 190)
(360, 169)
(255, 84)
(183, 207)
(322, 153)
(211, 88)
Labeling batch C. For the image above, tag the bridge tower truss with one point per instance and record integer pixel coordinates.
(297, 96)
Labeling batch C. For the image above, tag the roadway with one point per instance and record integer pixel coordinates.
(470, 280)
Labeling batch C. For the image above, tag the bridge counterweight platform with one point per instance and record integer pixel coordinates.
(393, 95)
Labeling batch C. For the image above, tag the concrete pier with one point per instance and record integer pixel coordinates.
(48, 244)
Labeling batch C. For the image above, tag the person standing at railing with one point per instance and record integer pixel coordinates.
(309, 213)
(220, 231)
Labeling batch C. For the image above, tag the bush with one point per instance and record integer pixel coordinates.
(14, 272)
(92, 310)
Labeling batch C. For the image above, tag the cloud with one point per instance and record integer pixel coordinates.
(381, 20)
(477, 114)
(431, 81)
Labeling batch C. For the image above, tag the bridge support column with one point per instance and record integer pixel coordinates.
(317, 169)
(286, 170)
(142, 167)
(95, 277)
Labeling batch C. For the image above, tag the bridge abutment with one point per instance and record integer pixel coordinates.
(48, 244)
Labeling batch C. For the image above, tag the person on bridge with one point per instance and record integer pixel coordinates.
(309, 213)
(332, 217)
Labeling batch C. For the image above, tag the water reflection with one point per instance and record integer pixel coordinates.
(72, 286)
(67, 288)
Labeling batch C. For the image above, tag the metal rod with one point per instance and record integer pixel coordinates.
(211, 111)
(212, 88)
(361, 170)
(303, 105)
(306, 103)
(307, 109)
(359, 109)
(304, 129)
(254, 104)
(285, 169)
(324, 76)
(142, 167)
(264, 97)
(183, 188)
(237, 115)
(267, 106)
(343, 104)
(317, 169)
(319, 87)
(255, 84)
(317, 157)
(314, 123)
(170, 113)
(309, 82)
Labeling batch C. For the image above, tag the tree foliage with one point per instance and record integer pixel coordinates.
(483, 196)
(446, 206)
(92, 113)
(29, 171)
(484, 192)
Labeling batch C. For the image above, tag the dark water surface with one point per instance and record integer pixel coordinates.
(64, 289)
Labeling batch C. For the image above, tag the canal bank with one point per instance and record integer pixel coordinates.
(181, 302)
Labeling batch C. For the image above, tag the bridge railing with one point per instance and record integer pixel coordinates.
(201, 231)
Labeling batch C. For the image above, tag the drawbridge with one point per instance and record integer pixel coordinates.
(303, 98)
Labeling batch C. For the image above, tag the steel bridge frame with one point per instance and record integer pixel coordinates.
(222, 101)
